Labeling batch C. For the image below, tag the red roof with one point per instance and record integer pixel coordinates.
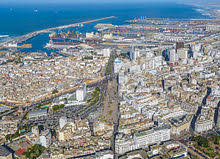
(21, 151)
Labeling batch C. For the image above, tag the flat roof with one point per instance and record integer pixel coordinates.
(4, 151)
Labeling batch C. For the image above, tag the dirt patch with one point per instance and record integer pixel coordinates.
(110, 108)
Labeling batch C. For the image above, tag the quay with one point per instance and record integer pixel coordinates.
(33, 34)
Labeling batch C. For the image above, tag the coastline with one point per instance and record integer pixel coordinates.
(121, 13)
(210, 9)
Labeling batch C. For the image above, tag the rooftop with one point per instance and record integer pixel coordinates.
(3, 151)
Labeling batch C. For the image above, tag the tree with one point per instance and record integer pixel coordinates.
(202, 141)
(34, 152)
(8, 137)
(32, 155)
(54, 91)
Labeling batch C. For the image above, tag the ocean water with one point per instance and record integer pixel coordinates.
(20, 19)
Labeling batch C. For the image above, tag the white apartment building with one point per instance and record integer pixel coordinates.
(203, 125)
(81, 93)
(173, 56)
(124, 144)
(182, 53)
(155, 135)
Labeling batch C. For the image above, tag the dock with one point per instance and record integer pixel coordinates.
(33, 34)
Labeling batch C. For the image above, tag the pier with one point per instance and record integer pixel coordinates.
(33, 34)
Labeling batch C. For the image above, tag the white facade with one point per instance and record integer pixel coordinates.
(43, 141)
(107, 156)
(122, 78)
(89, 35)
(173, 56)
(152, 136)
(108, 36)
(136, 54)
(62, 122)
(117, 65)
(123, 146)
(182, 53)
(196, 50)
(35, 130)
(106, 52)
(135, 68)
(202, 126)
(213, 27)
(197, 47)
(81, 94)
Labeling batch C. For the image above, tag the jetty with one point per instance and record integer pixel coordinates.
(33, 34)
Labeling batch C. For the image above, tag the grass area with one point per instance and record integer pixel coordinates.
(34, 152)
(58, 107)
(87, 58)
(110, 103)
(72, 99)
(209, 146)
(94, 96)
(201, 141)
(110, 112)
(55, 91)
(140, 134)
(44, 104)
(21, 131)
(25, 116)
(108, 69)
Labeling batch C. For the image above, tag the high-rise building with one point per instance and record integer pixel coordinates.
(136, 54)
(35, 130)
(62, 122)
(196, 49)
(122, 78)
(203, 125)
(182, 53)
(173, 56)
(66, 133)
(43, 141)
(117, 65)
(106, 52)
(179, 45)
(131, 53)
(81, 93)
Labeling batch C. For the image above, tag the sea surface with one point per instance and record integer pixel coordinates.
(18, 19)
